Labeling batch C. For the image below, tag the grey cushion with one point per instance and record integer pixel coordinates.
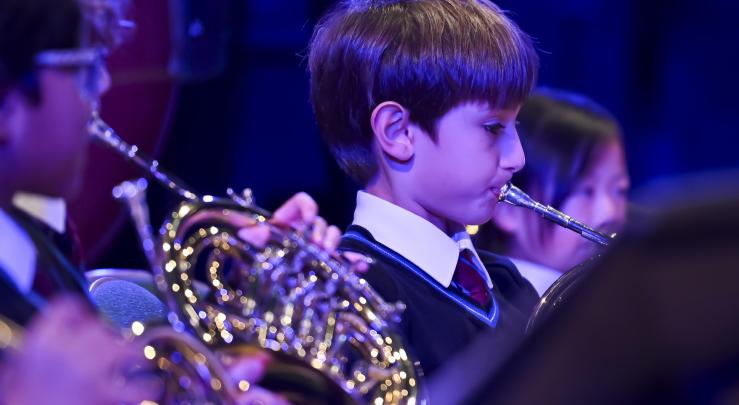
(124, 302)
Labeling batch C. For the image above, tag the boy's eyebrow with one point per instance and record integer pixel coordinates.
(494, 115)
(484, 110)
(497, 113)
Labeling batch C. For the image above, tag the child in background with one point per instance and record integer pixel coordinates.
(576, 164)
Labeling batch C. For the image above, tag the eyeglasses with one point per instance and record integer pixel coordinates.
(89, 62)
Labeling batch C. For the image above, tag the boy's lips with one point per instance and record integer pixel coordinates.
(496, 191)
(498, 187)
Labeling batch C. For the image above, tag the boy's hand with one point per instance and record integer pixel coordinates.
(360, 263)
(250, 368)
(300, 212)
(69, 356)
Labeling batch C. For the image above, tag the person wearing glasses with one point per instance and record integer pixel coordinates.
(52, 75)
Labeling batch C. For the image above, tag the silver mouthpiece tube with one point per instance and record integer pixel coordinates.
(515, 196)
(104, 134)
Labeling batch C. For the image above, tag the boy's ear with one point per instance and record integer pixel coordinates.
(507, 217)
(390, 124)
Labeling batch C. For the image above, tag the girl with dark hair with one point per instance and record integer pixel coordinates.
(576, 164)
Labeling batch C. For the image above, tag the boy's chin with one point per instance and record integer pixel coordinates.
(70, 190)
(74, 182)
(477, 218)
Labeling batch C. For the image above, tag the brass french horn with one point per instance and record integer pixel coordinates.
(189, 372)
(329, 332)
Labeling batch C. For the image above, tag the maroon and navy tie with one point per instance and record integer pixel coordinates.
(468, 279)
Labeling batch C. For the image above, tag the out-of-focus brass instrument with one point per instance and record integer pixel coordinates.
(565, 285)
(321, 322)
(190, 373)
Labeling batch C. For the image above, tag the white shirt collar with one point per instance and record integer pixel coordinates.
(541, 277)
(17, 253)
(413, 237)
(51, 211)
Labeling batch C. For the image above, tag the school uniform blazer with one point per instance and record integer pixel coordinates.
(60, 273)
(436, 323)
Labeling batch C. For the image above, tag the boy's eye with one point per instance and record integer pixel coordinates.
(494, 129)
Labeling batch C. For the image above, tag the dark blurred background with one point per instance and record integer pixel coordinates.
(218, 91)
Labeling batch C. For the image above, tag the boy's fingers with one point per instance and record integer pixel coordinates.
(250, 368)
(256, 235)
(318, 230)
(331, 239)
(299, 211)
(360, 263)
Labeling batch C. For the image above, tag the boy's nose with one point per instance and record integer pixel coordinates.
(511, 155)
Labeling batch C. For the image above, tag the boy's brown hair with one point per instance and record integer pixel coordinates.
(427, 55)
(28, 27)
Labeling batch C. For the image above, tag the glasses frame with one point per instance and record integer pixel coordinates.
(90, 63)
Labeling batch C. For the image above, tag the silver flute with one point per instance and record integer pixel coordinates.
(515, 196)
